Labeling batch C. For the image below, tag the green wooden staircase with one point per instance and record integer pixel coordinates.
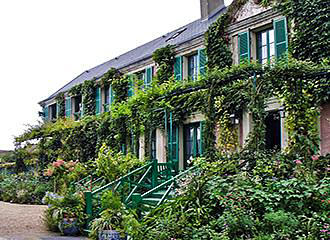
(144, 188)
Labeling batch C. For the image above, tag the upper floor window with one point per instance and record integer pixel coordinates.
(53, 111)
(190, 66)
(77, 103)
(193, 67)
(270, 43)
(108, 98)
(265, 46)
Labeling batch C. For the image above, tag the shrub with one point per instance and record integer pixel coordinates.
(23, 188)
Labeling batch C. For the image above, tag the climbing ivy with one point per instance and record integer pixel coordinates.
(89, 93)
(164, 59)
(76, 90)
(60, 101)
(309, 20)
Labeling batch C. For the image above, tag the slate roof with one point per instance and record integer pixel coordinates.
(192, 30)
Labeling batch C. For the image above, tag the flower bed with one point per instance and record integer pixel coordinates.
(23, 188)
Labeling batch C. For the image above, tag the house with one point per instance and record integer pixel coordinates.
(257, 33)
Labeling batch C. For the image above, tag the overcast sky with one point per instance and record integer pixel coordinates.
(44, 44)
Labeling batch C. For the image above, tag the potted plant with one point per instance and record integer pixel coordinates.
(110, 224)
(65, 213)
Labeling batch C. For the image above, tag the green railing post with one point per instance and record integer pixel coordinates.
(89, 206)
(136, 200)
(154, 174)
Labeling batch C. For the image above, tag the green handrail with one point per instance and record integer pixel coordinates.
(119, 180)
(167, 182)
(138, 184)
(165, 195)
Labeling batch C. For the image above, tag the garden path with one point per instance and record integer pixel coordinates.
(24, 222)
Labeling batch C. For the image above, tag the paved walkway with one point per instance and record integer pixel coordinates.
(24, 222)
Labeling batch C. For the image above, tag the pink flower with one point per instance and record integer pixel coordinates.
(60, 162)
(49, 172)
(298, 162)
(71, 169)
(56, 164)
(315, 157)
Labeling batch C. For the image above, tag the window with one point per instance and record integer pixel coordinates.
(192, 143)
(273, 130)
(53, 111)
(109, 98)
(77, 102)
(265, 46)
(193, 67)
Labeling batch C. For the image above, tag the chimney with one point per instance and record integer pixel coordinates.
(210, 6)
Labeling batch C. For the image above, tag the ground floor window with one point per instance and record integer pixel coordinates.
(273, 130)
(192, 143)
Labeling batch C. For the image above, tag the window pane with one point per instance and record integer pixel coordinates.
(264, 38)
(272, 50)
(271, 36)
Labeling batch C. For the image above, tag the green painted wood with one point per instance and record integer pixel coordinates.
(178, 68)
(68, 107)
(202, 61)
(98, 101)
(244, 46)
(281, 37)
(202, 126)
(89, 206)
(46, 113)
(148, 78)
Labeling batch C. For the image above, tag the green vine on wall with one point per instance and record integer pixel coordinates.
(60, 101)
(89, 94)
(309, 20)
(164, 59)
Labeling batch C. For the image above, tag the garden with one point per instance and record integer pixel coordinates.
(233, 191)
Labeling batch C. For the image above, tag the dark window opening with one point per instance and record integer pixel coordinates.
(192, 143)
(53, 111)
(273, 131)
(77, 101)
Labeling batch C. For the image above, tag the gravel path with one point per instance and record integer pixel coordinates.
(24, 222)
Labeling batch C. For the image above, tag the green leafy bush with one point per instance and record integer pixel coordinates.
(113, 165)
(258, 203)
(70, 206)
(23, 188)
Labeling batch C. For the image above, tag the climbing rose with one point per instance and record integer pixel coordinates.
(315, 157)
(298, 162)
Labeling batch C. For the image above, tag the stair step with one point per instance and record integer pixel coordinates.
(161, 193)
(151, 201)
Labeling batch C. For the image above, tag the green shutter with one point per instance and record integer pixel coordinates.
(68, 107)
(46, 113)
(281, 37)
(178, 68)
(148, 78)
(244, 46)
(201, 146)
(202, 60)
(111, 95)
(98, 101)
(130, 85)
